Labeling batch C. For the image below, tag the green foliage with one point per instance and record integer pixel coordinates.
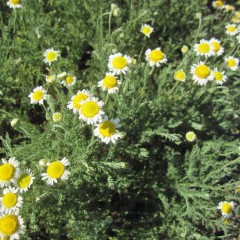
(152, 184)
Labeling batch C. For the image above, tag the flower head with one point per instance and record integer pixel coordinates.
(91, 111)
(201, 73)
(184, 49)
(235, 19)
(24, 181)
(155, 57)
(78, 99)
(38, 95)
(11, 226)
(180, 75)
(219, 77)
(232, 29)
(232, 62)
(191, 136)
(50, 56)
(216, 45)
(110, 83)
(107, 131)
(118, 63)
(56, 171)
(218, 4)
(226, 208)
(69, 80)
(15, 3)
(146, 30)
(10, 201)
(57, 117)
(229, 8)
(51, 78)
(204, 48)
(8, 171)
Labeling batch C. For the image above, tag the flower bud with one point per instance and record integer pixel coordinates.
(190, 136)
(57, 117)
(14, 122)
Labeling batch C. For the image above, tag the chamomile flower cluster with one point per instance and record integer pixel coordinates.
(208, 48)
(13, 182)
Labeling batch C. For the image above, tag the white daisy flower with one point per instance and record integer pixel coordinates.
(91, 111)
(24, 181)
(218, 4)
(8, 171)
(110, 83)
(201, 73)
(232, 62)
(10, 201)
(204, 48)
(69, 81)
(232, 29)
(50, 56)
(107, 130)
(38, 95)
(226, 208)
(219, 77)
(118, 63)
(216, 45)
(155, 57)
(56, 170)
(229, 8)
(235, 19)
(11, 226)
(15, 3)
(77, 100)
(146, 30)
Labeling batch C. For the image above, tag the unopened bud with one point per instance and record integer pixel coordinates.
(184, 49)
(57, 117)
(14, 122)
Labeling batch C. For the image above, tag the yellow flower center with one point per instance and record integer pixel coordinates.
(90, 109)
(235, 19)
(231, 29)
(180, 75)
(119, 62)
(15, 2)
(202, 71)
(51, 56)
(55, 169)
(146, 30)
(219, 3)
(24, 180)
(156, 55)
(190, 136)
(203, 48)
(231, 63)
(226, 208)
(69, 80)
(9, 225)
(109, 82)
(9, 200)
(37, 95)
(107, 129)
(216, 46)
(230, 8)
(6, 172)
(218, 76)
(78, 99)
